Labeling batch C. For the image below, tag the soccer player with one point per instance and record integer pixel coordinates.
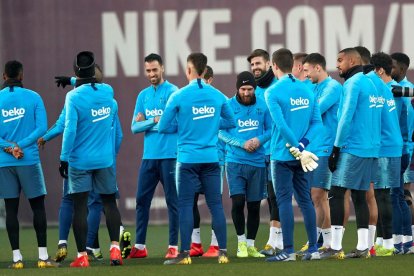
(159, 156)
(245, 161)
(196, 246)
(297, 69)
(327, 94)
(389, 168)
(23, 121)
(91, 113)
(296, 119)
(94, 201)
(353, 160)
(259, 61)
(199, 110)
(401, 212)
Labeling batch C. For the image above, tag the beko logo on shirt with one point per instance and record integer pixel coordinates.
(380, 102)
(376, 101)
(15, 113)
(391, 104)
(103, 113)
(153, 113)
(203, 112)
(302, 103)
(247, 125)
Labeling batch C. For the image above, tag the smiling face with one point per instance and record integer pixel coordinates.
(259, 66)
(154, 72)
(311, 72)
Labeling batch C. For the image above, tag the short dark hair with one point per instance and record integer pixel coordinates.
(283, 58)
(401, 58)
(316, 59)
(300, 57)
(349, 50)
(364, 53)
(382, 60)
(199, 60)
(153, 57)
(209, 73)
(13, 68)
(259, 53)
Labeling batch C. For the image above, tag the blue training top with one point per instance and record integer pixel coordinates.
(151, 103)
(259, 92)
(410, 117)
(200, 110)
(88, 141)
(23, 121)
(251, 121)
(359, 125)
(327, 95)
(391, 140)
(295, 115)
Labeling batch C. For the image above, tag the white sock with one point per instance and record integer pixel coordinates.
(318, 233)
(337, 231)
(279, 238)
(112, 246)
(213, 238)
(388, 244)
(195, 236)
(272, 236)
(62, 241)
(250, 242)
(379, 241)
(371, 235)
(327, 237)
(362, 239)
(17, 256)
(173, 246)
(397, 238)
(241, 238)
(98, 250)
(43, 253)
(140, 246)
(121, 229)
(407, 239)
(343, 231)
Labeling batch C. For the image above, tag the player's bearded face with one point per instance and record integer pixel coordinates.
(259, 66)
(246, 94)
(154, 71)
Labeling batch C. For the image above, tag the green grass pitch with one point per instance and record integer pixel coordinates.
(157, 241)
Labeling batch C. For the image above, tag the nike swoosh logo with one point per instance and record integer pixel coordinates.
(330, 197)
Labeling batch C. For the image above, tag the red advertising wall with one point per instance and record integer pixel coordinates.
(45, 36)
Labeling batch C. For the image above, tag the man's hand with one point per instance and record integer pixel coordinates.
(157, 119)
(249, 146)
(308, 161)
(140, 117)
(17, 152)
(256, 143)
(64, 169)
(62, 81)
(41, 143)
(333, 158)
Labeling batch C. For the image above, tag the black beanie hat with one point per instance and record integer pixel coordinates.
(245, 78)
(84, 65)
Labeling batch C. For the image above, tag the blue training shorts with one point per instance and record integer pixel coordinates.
(355, 173)
(101, 181)
(322, 176)
(17, 178)
(388, 174)
(247, 180)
